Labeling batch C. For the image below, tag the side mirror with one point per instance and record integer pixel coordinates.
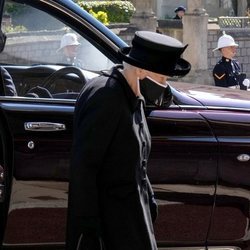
(2, 40)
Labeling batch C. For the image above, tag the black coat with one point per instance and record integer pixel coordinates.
(109, 189)
(176, 17)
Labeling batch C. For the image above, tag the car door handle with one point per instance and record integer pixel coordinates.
(243, 157)
(44, 126)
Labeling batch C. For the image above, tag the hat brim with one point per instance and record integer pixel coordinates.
(180, 9)
(234, 44)
(75, 44)
(179, 68)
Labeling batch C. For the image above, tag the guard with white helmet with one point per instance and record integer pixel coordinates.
(227, 72)
(68, 46)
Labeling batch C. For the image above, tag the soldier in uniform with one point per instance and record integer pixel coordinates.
(227, 72)
(111, 201)
(68, 46)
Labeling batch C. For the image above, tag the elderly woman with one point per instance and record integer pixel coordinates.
(111, 202)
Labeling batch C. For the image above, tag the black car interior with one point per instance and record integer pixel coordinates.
(42, 82)
(7, 86)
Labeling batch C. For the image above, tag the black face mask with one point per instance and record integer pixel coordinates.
(152, 91)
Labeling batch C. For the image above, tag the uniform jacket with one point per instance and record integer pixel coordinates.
(72, 61)
(108, 179)
(227, 73)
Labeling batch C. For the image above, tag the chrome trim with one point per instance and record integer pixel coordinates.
(1, 192)
(243, 157)
(199, 248)
(185, 138)
(41, 107)
(23, 99)
(219, 108)
(31, 145)
(1, 174)
(44, 126)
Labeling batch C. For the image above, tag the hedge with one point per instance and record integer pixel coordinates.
(117, 11)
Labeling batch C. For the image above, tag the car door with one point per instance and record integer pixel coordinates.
(36, 136)
(231, 214)
(5, 154)
(41, 139)
(36, 130)
(183, 170)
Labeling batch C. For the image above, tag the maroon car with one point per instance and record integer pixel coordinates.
(200, 159)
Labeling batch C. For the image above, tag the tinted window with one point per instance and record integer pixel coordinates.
(35, 38)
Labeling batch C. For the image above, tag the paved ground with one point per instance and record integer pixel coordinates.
(35, 204)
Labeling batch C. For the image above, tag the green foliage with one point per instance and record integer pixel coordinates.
(11, 28)
(101, 16)
(12, 9)
(117, 11)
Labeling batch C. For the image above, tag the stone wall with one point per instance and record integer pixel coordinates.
(31, 48)
(171, 28)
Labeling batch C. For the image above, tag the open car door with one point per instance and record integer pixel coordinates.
(5, 152)
(40, 145)
(36, 121)
(2, 35)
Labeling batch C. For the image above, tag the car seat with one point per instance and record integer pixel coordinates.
(7, 86)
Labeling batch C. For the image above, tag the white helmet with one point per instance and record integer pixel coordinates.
(225, 41)
(68, 39)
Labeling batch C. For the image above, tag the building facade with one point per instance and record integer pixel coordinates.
(164, 9)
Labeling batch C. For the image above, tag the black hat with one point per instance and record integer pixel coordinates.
(180, 8)
(157, 53)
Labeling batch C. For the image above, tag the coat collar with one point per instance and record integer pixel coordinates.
(133, 100)
(224, 59)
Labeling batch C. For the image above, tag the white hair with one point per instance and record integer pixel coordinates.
(127, 66)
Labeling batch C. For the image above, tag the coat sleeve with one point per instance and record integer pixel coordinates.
(95, 125)
(96, 120)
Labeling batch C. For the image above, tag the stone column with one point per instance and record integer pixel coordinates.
(195, 32)
(242, 7)
(144, 18)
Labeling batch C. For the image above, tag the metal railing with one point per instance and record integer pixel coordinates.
(234, 22)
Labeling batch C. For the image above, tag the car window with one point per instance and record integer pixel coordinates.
(38, 42)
